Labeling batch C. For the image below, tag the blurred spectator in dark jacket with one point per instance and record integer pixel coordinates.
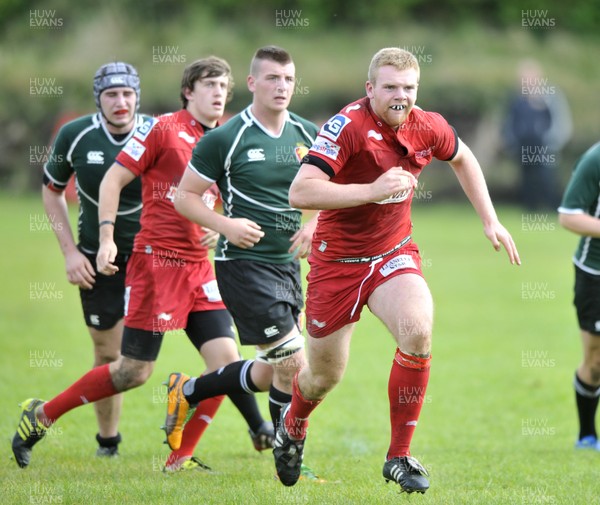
(537, 127)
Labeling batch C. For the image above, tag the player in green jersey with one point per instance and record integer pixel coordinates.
(86, 147)
(579, 212)
(253, 159)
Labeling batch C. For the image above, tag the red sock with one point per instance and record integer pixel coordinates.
(296, 422)
(406, 391)
(195, 427)
(93, 386)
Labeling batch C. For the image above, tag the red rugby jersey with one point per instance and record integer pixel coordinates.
(356, 147)
(159, 152)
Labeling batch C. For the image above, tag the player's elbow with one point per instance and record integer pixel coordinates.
(303, 193)
(179, 201)
(562, 220)
(295, 196)
(571, 222)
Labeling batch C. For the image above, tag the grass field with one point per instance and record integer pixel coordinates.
(497, 427)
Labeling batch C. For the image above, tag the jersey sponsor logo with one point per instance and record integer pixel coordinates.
(163, 316)
(211, 290)
(398, 197)
(326, 148)
(95, 158)
(187, 137)
(333, 128)
(143, 131)
(398, 263)
(256, 154)
(271, 331)
(372, 134)
(134, 149)
(424, 153)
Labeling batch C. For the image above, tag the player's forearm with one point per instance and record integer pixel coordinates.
(472, 181)
(191, 206)
(315, 194)
(109, 196)
(581, 224)
(55, 205)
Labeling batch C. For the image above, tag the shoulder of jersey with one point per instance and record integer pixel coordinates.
(80, 123)
(234, 123)
(333, 128)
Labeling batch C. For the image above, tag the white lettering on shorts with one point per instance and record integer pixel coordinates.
(127, 296)
(211, 290)
(398, 263)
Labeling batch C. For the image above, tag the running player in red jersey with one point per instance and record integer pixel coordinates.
(170, 283)
(361, 171)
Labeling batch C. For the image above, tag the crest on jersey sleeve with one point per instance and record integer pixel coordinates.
(134, 149)
(333, 128)
(326, 148)
(301, 151)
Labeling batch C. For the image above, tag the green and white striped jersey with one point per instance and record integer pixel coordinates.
(86, 148)
(254, 170)
(582, 196)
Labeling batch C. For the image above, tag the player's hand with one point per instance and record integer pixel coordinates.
(210, 238)
(243, 232)
(107, 252)
(391, 183)
(302, 240)
(80, 271)
(497, 235)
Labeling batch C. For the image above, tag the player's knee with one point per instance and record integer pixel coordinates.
(219, 353)
(105, 356)
(594, 368)
(262, 375)
(131, 374)
(415, 334)
(323, 383)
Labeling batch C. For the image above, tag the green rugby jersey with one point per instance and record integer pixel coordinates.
(254, 170)
(85, 147)
(582, 196)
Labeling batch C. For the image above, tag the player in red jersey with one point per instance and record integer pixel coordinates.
(362, 170)
(170, 283)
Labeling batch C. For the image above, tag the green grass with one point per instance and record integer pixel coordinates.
(498, 425)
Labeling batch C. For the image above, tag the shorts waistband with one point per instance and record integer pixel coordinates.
(368, 259)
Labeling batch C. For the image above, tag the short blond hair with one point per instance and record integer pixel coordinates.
(399, 58)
